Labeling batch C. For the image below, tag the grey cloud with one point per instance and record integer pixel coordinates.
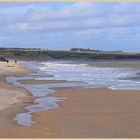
(83, 16)
(79, 17)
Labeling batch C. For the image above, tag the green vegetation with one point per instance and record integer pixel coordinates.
(37, 54)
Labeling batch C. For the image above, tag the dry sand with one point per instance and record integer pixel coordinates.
(12, 99)
(13, 69)
(10, 94)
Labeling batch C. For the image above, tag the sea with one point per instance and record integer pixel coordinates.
(78, 74)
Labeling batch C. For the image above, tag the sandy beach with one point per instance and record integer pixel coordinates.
(10, 94)
(95, 113)
(87, 113)
(12, 99)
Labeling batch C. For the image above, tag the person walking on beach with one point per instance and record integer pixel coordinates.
(7, 61)
(15, 61)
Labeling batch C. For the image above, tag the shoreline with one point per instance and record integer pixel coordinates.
(87, 113)
(13, 99)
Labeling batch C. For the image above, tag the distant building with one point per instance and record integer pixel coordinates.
(79, 49)
(83, 50)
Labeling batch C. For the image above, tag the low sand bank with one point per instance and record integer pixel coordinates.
(10, 94)
(12, 99)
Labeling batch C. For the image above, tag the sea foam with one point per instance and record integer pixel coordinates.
(93, 76)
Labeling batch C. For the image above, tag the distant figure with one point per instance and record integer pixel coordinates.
(15, 61)
(7, 61)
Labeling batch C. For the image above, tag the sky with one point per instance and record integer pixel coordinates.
(65, 25)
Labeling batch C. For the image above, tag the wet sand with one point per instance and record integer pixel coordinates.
(94, 113)
(87, 113)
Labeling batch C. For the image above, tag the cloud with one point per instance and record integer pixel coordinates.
(85, 21)
(6, 5)
(76, 16)
(82, 16)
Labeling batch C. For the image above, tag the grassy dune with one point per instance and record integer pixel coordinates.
(55, 54)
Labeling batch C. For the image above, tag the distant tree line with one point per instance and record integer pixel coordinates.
(21, 49)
